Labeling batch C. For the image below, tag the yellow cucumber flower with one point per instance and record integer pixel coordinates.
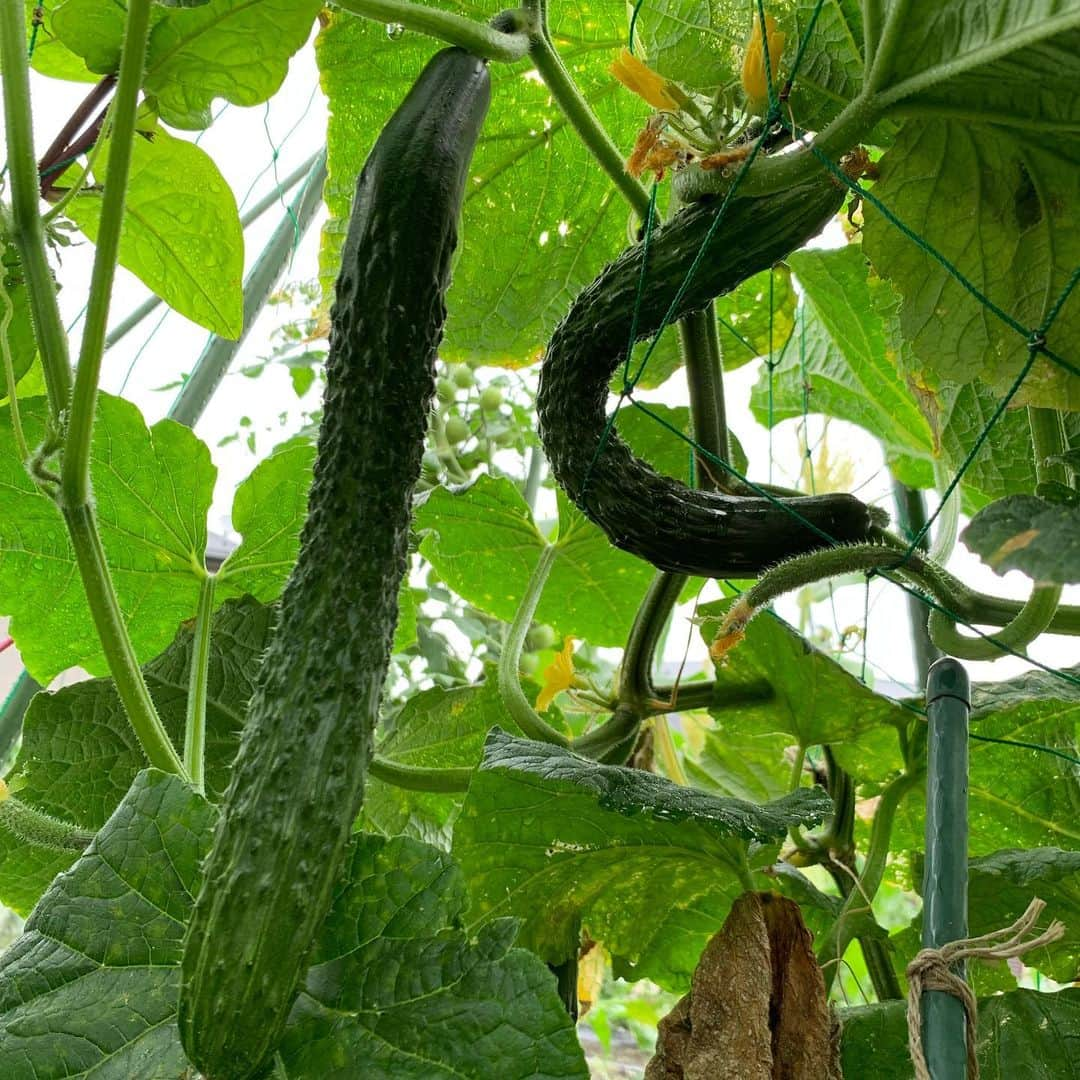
(558, 676)
(659, 92)
(754, 79)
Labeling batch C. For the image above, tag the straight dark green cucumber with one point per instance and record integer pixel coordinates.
(673, 526)
(298, 781)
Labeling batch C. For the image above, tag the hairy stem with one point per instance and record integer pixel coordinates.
(76, 468)
(195, 727)
(1048, 443)
(80, 182)
(475, 36)
(513, 697)
(584, 121)
(635, 682)
(891, 559)
(418, 777)
(75, 123)
(778, 172)
(27, 232)
(32, 826)
(892, 33)
(115, 643)
(704, 372)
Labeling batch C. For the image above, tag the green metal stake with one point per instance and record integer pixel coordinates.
(945, 879)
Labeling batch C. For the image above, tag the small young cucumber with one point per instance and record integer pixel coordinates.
(673, 526)
(298, 780)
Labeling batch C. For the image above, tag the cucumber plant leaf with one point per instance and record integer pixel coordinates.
(258, 565)
(1001, 885)
(231, 49)
(91, 985)
(512, 283)
(50, 56)
(1019, 245)
(1017, 796)
(626, 857)
(864, 373)
(812, 699)
(181, 234)
(79, 755)
(152, 490)
(400, 990)
(483, 543)
(1026, 533)
(1023, 1033)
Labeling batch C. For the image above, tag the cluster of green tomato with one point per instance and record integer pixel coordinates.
(469, 425)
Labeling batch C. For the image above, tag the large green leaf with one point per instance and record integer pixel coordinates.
(238, 50)
(813, 699)
(540, 217)
(152, 491)
(483, 543)
(1018, 244)
(1021, 1035)
(698, 42)
(1029, 534)
(90, 988)
(1017, 796)
(398, 991)
(1000, 888)
(742, 764)
(634, 861)
(79, 755)
(979, 137)
(181, 236)
(49, 56)
(852, 363)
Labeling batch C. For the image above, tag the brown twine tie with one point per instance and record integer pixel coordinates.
(930, 970)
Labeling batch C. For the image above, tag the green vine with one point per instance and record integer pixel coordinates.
(485, 41)
(195, 726)
(513, 697)
(838, 936)
(76, 467)
(28, 232)
(418, 777)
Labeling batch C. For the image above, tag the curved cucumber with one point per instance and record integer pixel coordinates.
(298, 780)
(675, 527)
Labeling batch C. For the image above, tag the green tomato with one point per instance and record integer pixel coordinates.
(457, 431)
(491, 398)
(540, 636)
(463, 376)
(446, 391)
(505, 438)
(529, 663)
